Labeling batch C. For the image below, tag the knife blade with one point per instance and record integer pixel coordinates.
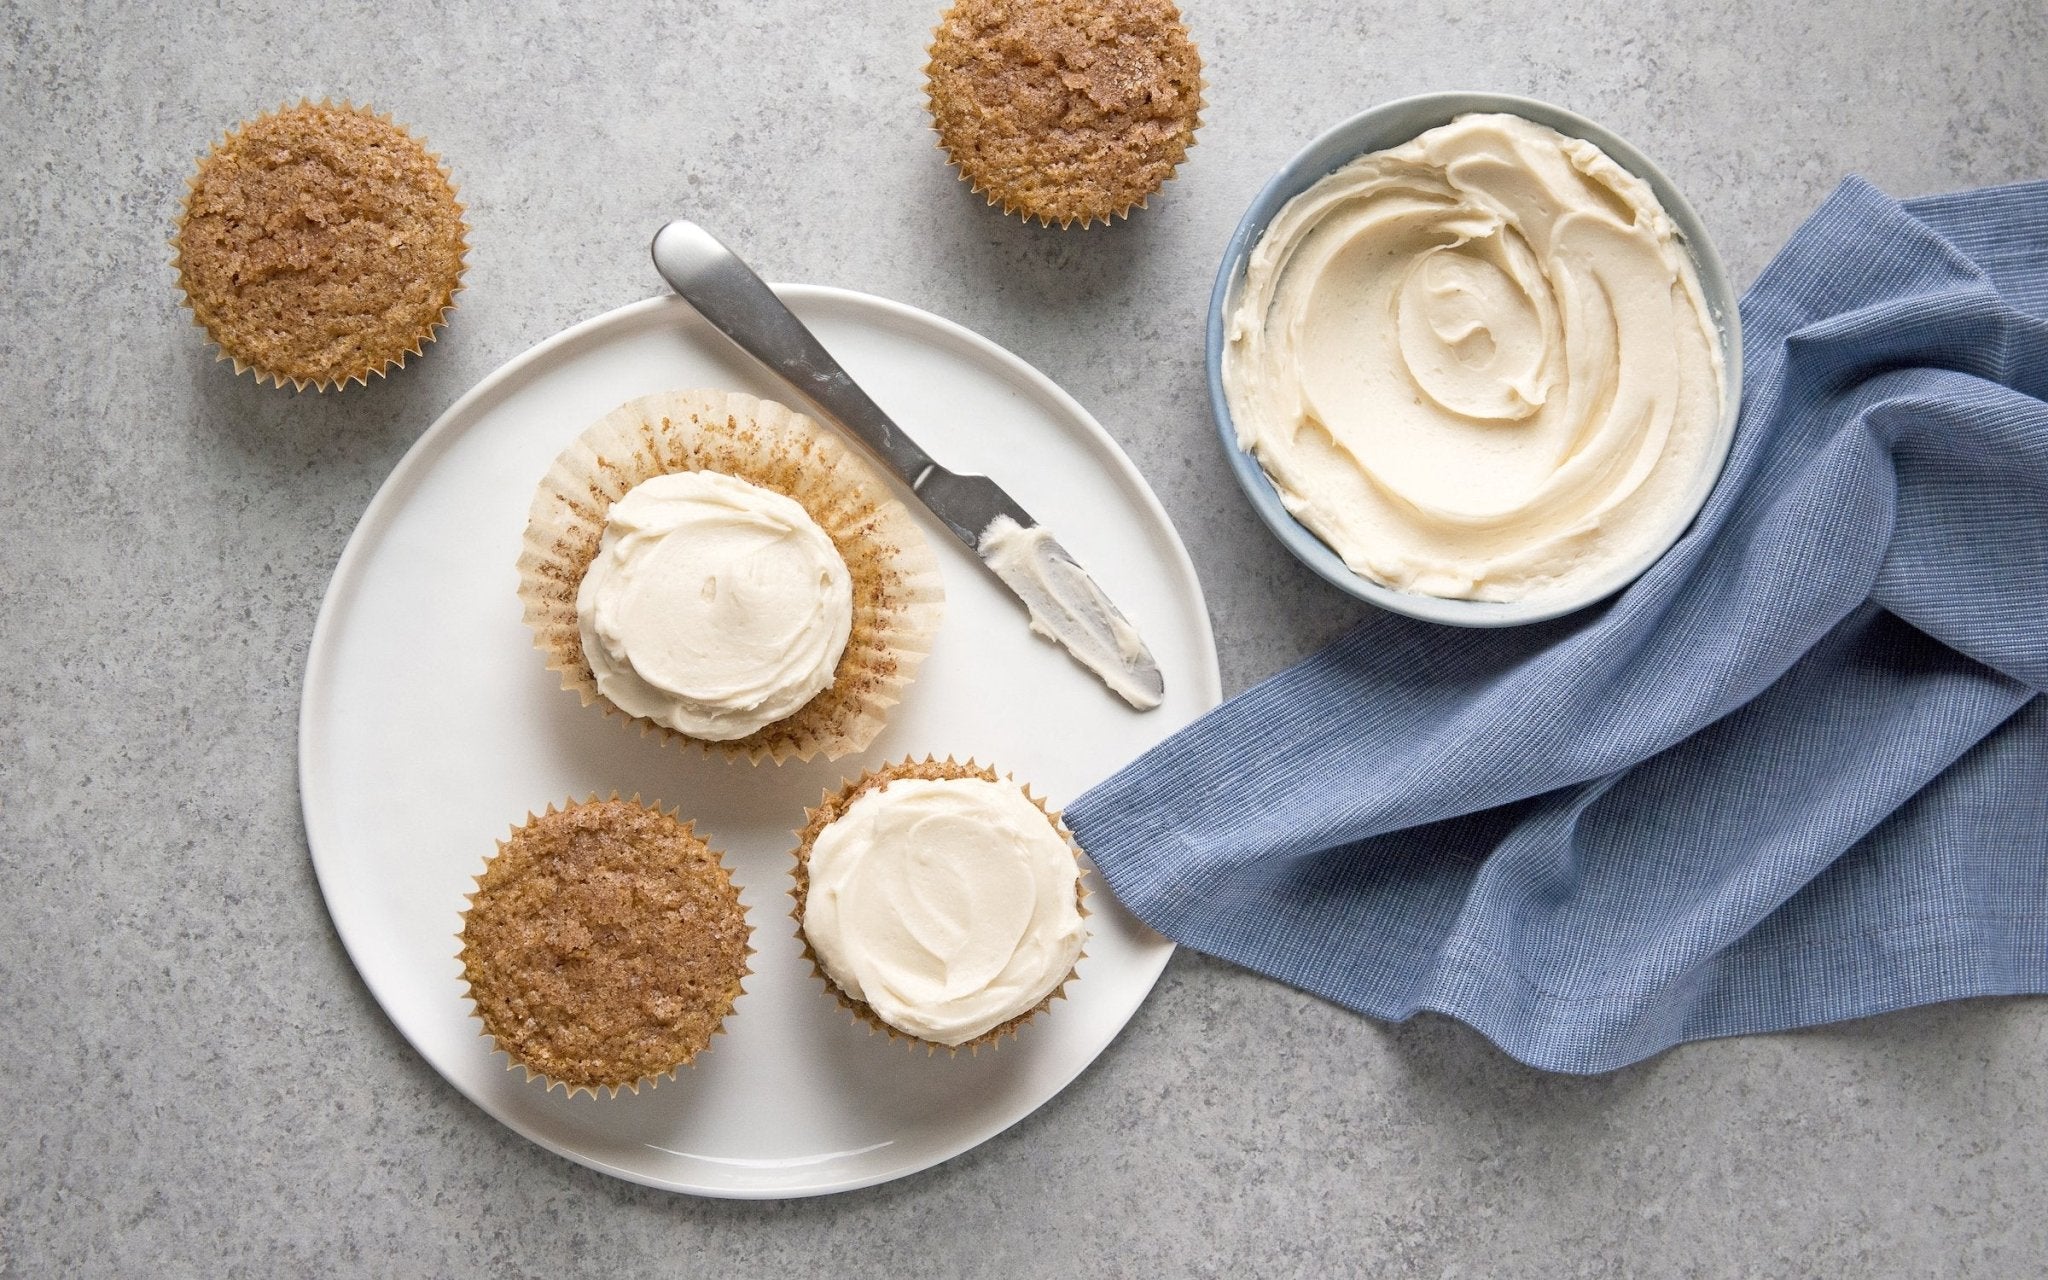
(1063, 602)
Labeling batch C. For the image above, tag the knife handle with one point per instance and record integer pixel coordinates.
(740, 305)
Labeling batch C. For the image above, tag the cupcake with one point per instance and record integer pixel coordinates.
(721, 569)
(319, 244)
(604, 945)
(1064, 109)
(939, 903)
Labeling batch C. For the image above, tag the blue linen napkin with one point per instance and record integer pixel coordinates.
(1797, 772)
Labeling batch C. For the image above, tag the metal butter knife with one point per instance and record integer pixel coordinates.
(1065, 604)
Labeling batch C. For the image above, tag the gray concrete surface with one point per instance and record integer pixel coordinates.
(194, 1083)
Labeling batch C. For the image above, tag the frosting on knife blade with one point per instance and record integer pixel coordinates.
(1068, 609)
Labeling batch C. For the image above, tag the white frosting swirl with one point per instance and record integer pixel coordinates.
(1478, 365)
(714, 606)
(949, 906)
(1067, 608)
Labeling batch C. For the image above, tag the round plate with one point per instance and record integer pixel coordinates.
(1389, 125)
(430, 727)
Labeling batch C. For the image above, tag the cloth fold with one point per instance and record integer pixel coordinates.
(1797, 772)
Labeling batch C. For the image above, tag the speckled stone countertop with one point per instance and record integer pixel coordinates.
(193, 1081)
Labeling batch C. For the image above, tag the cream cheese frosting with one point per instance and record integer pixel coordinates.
(1479, 365)
(1067, 608)
(949, 906)
(714, 606)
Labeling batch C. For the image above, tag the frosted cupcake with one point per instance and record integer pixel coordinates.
(939, 903)
(721, 569)
(604, 946)
(320, 244)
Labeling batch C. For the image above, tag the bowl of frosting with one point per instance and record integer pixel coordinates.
(1474, 359)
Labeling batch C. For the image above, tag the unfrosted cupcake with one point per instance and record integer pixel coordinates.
(721, 569)
(604, 946)
(939, 903)
(1065, 110)
(320, 244)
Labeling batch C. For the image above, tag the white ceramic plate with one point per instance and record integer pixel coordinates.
(430, 727)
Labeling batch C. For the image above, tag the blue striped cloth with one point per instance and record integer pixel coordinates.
(1798, 772)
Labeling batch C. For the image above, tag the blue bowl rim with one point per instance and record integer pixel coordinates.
(1300, 172)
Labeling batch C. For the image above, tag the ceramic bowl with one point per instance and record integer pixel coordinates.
(1390, 125)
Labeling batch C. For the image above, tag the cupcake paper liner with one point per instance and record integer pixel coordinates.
(832, 805)
(1018, 209)
(202, 308)
(898, 594)
(608, 1089)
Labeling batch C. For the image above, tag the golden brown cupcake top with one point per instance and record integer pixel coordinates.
(1065, 109)
(605, 944)
(320, 244)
